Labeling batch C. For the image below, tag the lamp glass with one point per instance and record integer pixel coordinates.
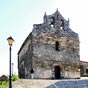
(10, 40)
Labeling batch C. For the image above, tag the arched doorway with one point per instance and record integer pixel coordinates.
(57, 72)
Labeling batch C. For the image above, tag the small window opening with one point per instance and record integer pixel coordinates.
(87, 71)
(32, 71)
(52, 25)
(57, 46)
(61, 28)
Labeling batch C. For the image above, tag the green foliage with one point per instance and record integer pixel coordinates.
(3, 84)
(15, 77)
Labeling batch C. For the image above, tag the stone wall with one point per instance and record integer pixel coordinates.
(72, 74)
(25, 58)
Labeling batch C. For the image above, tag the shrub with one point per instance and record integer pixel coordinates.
(15, 77)
(3, 84)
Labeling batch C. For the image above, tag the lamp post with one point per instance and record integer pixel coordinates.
(10, 42)
(12, 68)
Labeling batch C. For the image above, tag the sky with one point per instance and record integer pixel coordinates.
(18, 16)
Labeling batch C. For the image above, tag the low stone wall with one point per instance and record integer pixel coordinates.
(71, 74)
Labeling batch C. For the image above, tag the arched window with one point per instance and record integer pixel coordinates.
(52, 22)
(62, 24)
(57, 46)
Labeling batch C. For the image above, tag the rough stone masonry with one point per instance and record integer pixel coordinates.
(51, 51)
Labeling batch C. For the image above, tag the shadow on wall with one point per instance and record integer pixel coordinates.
(70, 84)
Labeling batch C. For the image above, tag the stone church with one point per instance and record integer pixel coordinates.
(51, 50)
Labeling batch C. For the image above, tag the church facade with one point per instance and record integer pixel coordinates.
(51, 50)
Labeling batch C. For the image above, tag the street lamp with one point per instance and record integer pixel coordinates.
(10, 42)
(12, 68)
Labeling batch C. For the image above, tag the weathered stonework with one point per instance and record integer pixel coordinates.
(51, 50)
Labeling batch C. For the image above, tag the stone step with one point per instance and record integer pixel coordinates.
(32, 83)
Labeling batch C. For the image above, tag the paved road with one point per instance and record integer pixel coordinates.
(70, 84)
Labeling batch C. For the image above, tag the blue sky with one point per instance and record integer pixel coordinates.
(18, 16)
